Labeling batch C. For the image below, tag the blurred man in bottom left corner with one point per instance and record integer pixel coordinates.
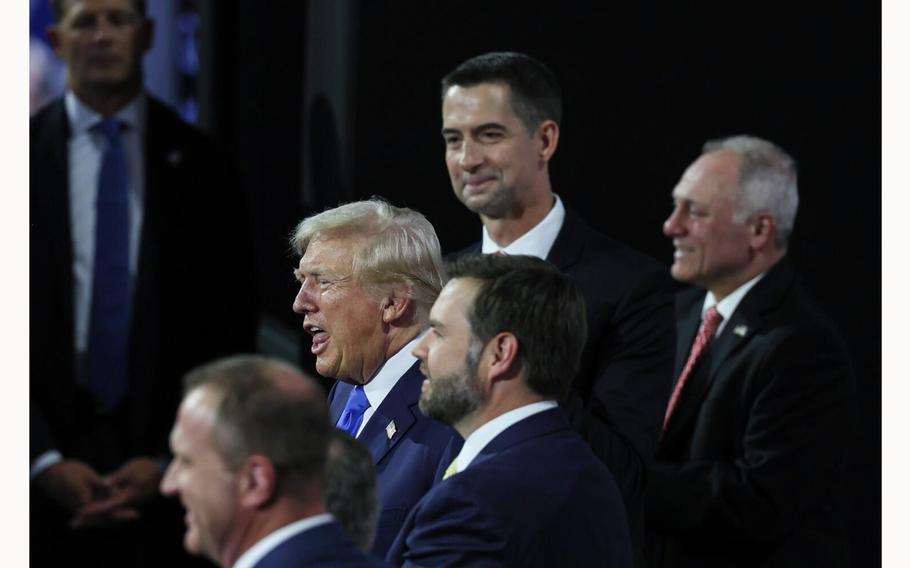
(250, 445)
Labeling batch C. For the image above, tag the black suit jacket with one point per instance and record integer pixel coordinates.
(194, 294)
(622, 387)
(749, 470)
(324, 546)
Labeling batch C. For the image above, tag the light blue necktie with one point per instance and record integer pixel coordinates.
(352, 415)
(110, 310)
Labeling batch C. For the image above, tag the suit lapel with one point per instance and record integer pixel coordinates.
(540, 424)
(394, 417)
(738, 332)
(568, 247)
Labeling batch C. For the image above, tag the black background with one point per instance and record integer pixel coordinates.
(644, 85)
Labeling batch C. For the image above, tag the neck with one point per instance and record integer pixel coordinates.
(761, 263)
(107, 102)
(265, 522)
(495, 407)
(521, 218)
(398, 337)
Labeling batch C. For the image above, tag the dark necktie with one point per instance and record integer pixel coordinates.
(703, 339)
(110, 309)
(352, 415)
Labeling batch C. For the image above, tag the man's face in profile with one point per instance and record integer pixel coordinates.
(711, 245)
(450, 357)
(343, 318)
(201, 478)
(491, 157)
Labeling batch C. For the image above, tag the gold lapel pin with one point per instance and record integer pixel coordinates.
(390, 429)
(741, 330)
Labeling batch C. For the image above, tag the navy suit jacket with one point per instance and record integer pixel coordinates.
(535, 496)
(619, 395)
(410, 461)
(324, 546)
(750, 470)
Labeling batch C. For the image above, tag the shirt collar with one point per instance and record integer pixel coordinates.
(478, 439)
(392, 370)
(728, 305)
(82, 118)
(536, 242)
(265, 545)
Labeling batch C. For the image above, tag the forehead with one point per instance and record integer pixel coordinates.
(195, 418)
(486, 102)
(71, 7)
(454, 300)
(711, 176)
(329, 253)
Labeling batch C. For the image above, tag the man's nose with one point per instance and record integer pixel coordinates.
(471, 156)
(303, 302)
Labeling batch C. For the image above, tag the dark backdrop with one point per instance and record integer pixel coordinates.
(644, 85)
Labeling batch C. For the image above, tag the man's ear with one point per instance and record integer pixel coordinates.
(258, 482)
(548, 131)
(763, 230)
(503, 356)
(396, 305)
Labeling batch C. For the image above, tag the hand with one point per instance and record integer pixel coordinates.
(72, 484)
(134, 483)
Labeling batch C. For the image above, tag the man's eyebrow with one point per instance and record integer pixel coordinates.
(489, 126)
(436, 324)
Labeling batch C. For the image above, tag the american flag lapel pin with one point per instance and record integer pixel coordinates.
(741, 330)
(390, 429)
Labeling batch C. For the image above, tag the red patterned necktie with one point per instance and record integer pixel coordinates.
(705, 335)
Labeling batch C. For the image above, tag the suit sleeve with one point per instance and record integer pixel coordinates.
(453, 528)
(791, 455)
(633, 373)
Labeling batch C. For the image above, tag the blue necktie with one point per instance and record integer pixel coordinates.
(352, 415)
(110, 310)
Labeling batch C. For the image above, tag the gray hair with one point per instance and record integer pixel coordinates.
(400, 248)
(767, 182)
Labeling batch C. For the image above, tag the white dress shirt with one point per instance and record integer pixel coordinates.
(256, 552)
(478, 439)
(86, 149)
(536, 242)
(392, 370)
(727, 306)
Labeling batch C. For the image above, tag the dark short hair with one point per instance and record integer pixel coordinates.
(256, 416)
(535, 94)
(542, 307)
(59, 8)
(350, 488)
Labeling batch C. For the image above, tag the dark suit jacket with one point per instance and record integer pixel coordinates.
(408, 462)
(194, 296)
(323, 546)
(750, 468)
(622, 387)
(535, 496)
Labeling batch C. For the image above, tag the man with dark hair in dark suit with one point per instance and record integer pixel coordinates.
(500, 122)
(141, 268)
(751, 460)
(504, 343)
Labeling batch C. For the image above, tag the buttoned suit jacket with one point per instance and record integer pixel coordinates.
(193, 297)
(411, 451)
(324, 546)
(536, 495)
(623, 384)
(750, 468)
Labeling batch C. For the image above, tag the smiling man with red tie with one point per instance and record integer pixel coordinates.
(750, 463)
